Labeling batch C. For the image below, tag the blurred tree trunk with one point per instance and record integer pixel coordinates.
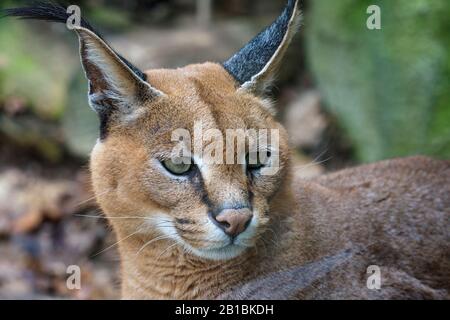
(204, 13)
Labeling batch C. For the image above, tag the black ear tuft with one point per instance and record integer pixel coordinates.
(53, 12)
(265, 49)
(47, 11)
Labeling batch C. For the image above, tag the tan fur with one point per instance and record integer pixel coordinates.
(396, 210)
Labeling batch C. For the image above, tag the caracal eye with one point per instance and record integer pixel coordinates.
(177, 168)
(255, 161)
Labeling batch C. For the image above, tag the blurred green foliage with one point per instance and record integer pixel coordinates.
(389, 87)
(80, 123)
(33, 68)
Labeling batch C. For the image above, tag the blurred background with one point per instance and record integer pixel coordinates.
(347, 95)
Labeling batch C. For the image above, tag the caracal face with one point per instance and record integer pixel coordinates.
(130, 178)
(216, 205)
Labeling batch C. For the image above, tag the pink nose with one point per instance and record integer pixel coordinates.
(234, 222)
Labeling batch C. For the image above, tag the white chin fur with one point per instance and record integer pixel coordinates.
(225, 253)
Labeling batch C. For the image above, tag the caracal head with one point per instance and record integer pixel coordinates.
(192, 155)
(212, 207)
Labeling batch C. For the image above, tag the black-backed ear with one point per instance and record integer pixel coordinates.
(115, 89)
(255, 65)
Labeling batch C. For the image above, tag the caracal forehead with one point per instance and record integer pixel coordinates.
(200, 78)
(207, 93)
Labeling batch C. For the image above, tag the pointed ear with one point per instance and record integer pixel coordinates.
(115, 87)
(254, 66)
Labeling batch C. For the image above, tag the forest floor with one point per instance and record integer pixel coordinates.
(46, 226)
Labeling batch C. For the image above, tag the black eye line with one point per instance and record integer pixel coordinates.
(258, 165)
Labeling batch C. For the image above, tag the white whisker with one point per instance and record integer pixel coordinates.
(165, 250)
(162, 237)
(93, 197)
(125, 217)
(116, 243)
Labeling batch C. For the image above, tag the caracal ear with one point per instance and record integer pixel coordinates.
(255, 65)
(114, 87)
(117, 89)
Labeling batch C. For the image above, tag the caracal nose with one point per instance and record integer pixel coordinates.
(234, 222)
